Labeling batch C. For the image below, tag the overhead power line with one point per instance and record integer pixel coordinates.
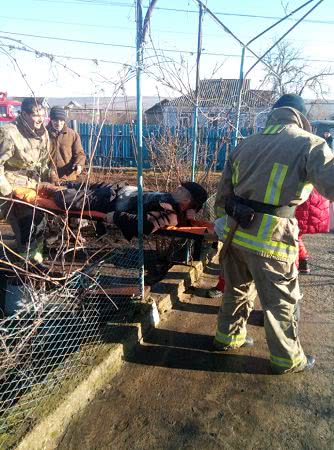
(192, 11)
(53, 55)
(117, 27)
(168, 50)
(56, 38)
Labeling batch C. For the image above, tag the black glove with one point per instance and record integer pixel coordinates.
(128, 224)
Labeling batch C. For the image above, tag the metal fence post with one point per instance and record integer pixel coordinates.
(139, 139)
(74, 125)
(240, 87)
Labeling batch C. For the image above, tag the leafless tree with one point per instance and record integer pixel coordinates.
(289, 72)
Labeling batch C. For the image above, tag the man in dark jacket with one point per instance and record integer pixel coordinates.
(67, 155)
(119, 201)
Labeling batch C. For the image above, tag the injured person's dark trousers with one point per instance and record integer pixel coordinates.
(28, 225)
(96, 197)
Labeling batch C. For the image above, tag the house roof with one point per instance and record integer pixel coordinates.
(157, 108)
(42, 100)
(73, 104)
(219, 93)
(127, 103)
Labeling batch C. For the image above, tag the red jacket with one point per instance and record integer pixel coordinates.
(313, 215)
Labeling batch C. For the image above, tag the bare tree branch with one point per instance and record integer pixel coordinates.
(289, 73)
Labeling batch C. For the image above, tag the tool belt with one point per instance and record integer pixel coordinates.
(242, 214)
(287, 212)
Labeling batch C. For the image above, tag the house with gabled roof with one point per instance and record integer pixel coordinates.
(217, 106)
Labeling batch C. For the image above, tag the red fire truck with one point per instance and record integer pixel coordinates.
(9, 109)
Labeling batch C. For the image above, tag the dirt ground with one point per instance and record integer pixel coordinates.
(173, 393)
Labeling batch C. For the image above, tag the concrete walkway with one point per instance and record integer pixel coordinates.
(173, 393)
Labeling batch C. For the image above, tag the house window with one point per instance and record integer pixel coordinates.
(185, 120)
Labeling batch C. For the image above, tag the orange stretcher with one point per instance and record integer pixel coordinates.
(199, 227)
(31, 197)
(197, 231)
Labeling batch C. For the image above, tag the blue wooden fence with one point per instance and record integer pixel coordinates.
(114, 145)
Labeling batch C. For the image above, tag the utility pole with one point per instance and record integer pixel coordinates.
(139, 139)
(195, 114)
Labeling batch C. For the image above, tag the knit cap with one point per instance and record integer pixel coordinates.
(293, 101)
(57, 113)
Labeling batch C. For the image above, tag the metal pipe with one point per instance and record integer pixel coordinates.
(139, 140)
(283, 36)
(226, 29)
(197, 87)
(240, 88)
(243, 76)
(281, 20)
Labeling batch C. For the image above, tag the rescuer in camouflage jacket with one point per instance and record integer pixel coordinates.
(24, 162)
(270, 174)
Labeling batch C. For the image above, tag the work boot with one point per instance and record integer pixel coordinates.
(304, 267)
(214, 293)
(310, 361)
(309, 364)
(218, 346)
(218, 290)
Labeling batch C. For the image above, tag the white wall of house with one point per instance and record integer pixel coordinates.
(174, 116)
(320, 109)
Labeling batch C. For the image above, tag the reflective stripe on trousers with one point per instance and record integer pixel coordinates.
(235, 340)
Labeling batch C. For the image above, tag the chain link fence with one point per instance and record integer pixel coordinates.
(58, 324)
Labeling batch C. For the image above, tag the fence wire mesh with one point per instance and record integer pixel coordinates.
(57, 322)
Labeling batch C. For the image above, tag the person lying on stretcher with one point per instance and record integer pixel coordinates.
(119, 202)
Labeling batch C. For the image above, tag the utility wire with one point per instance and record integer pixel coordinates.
(192, 11)
(169, 50)
(117, 27)
(53, 55)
